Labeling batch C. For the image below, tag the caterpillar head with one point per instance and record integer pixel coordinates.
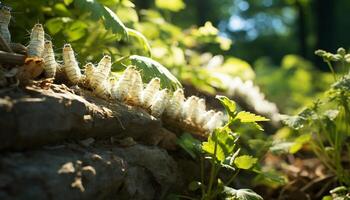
(67, 47)
(5, 11)
(37, 32)
(89, 68)
(48, 44)
(107, 58)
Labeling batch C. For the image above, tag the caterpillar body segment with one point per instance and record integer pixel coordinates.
(173, 110)
(121, 88)
(189, 107)
(102, 71)
(71, 66)
(37, 41)
(135, 91)
(214, 122)
(5, 17)
(149, 93)
(104, 66)
(199, 110)
(51, 65)
(205, 117)
(103, 90)
(89, 72)
(159, 103)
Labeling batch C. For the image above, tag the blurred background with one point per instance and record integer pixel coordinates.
(269, 43)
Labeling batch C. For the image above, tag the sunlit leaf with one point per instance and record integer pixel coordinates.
(224, 141)
(246, 117)
(245, 161)
(76, 30)
(230, 106)
(54, 25)
(150, 68)
(110, 19)
(141, 39)
(172, 5)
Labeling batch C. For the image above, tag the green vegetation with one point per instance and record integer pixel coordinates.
(247, 55)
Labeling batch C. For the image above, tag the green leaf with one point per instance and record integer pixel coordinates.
(241, 194)
(224, 141)
(229, 105)
(343, 83)
(245, 161)
(294, 122)
(246, 117)
(172, 5)
(110, 19)
(151, 68)
(76, 30)
(54, 25)
(67, 2)
(141, 39)
(191, 145)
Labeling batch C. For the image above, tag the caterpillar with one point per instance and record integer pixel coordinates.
(5, 17)
(129, 88)
(214, 122)
(71, 66)
(89, 73)
(199, 109)
(175, 104)
(159, 103)
(51, 65)
(37, 41)
(102, 71)
(149, 92)
(189, 107)
(120, 89)
(135, 90)
(103, 89)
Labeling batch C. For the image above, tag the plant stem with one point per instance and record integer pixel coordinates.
(232, 177)
(213, 169)
(202, 176)
(332, 69)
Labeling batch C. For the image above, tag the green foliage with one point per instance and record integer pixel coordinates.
(220, 150)
(150, 68)
(220, 144)
(327, 122)
(100, 12)
(245, 162)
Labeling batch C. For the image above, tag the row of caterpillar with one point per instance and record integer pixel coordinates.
(129, 88)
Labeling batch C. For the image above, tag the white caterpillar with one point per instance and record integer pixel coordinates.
(51, 65)
(37, 41)
(199, 110)
(148, 94)
(159, 103)
(205, 117)
(188, 107)
(173, 110)
(102, 71)
(103, 89)
(5, 17)
(135, 91)
(71, 66)
(89, 73)
(120, 89)
(215, 121)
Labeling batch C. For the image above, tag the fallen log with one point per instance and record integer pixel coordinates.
(100, 171)
(46, 113)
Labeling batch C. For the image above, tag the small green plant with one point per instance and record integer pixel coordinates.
(222, 152)
(327, 120)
